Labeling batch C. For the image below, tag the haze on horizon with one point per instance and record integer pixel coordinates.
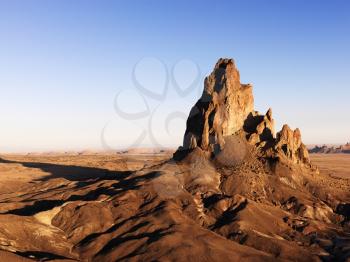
(69, 67)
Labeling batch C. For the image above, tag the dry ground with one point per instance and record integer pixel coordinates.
(103, 207)
(337, 165)
(20, 170)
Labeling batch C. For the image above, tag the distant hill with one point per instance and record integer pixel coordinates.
(331, 149)
(138, 151)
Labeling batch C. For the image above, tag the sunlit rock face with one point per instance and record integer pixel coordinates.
(225, 109)
(289, 144)
(222, 109)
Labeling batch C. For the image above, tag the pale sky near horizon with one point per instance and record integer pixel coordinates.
(71, 71)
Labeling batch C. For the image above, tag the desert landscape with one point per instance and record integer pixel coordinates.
(235, 190)
(174, 131)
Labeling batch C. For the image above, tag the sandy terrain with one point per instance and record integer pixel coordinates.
(337, 165)
(116, 207)
(33, 185)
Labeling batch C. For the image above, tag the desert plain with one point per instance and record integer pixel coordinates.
(42, 180)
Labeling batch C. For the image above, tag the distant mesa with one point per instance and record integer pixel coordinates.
(226, 110)
(146, 151)
(343, 149)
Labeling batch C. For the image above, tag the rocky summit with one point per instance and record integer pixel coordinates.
(226, 109)
(221, 111)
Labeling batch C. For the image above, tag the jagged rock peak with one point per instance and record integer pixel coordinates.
(224, 76)
(225, 109)
(230, 101)
(260, 128)
(221, 111)
(289, 144)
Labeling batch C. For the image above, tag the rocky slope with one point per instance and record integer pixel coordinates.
(234, 191)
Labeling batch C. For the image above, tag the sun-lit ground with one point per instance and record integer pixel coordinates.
(52, 205)
(17, 171)
(333, 164)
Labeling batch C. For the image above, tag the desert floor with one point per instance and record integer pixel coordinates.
(19, 170)
(19, 175)
(337, 165)
(27, 181)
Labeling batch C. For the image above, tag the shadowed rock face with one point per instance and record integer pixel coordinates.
(226, 109)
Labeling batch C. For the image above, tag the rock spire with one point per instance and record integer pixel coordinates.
(226, 108)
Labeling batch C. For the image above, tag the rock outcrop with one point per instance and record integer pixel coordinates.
(221, 111)
(226, 108)
(288, 144)
(260, 128)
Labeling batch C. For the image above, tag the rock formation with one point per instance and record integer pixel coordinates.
(226, 108)
(288, 143)
(221, 111)
(235, 165)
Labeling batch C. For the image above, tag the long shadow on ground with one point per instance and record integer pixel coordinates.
(84, 177)
(70, 172)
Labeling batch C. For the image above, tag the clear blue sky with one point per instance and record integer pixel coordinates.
(63, 62)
